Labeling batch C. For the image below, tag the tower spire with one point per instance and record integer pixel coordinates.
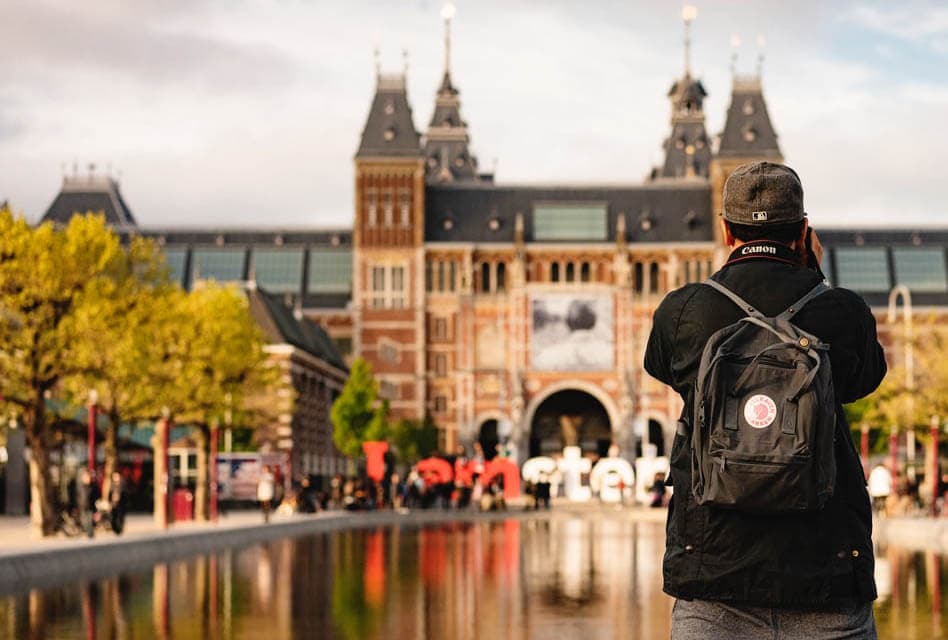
(688, 13)
(447, 13)
(735, 45)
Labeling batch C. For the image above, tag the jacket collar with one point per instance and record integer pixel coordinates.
(764, 250)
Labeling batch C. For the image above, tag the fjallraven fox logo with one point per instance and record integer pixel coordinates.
(760, 411)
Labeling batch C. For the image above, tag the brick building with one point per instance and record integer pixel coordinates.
(522, 310)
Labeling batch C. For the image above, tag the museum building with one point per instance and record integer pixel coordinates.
(518, 312)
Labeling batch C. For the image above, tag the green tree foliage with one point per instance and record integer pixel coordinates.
(358, 415)
(218, 367)
(46, 277)
(119, 347)
(415, 439)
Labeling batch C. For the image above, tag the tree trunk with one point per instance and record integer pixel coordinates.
(201, 484)
(43, 515)
(110, 448)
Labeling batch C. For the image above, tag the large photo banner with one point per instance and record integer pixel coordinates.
(572, 332)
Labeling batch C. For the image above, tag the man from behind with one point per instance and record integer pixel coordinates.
(765, 571)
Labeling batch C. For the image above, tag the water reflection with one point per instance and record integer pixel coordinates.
(595, 576)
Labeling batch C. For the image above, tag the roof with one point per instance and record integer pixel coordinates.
(99, 194)
(687, 149)
(280, 325)
(390, 130)
(447, 157)
(661, 211)
(871, 261)
(748, 131)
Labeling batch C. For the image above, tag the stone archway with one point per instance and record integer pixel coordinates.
(568, 417)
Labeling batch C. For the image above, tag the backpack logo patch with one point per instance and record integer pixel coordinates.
(760, 411)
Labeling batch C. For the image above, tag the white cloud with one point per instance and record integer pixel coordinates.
(926, 25)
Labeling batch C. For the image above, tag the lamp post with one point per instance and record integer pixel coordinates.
(908, 356)
(935, 480)
(163, 426)
(93, 410)
(213, 471)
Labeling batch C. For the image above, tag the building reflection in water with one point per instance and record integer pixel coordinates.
(593, 577)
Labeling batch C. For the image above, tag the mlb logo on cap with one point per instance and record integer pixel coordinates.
(759, 216)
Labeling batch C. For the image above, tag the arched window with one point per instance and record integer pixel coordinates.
(639, 277)
(570, 272)
(440, 275)
(451, 276)
(501, 276)
(653, 278)
(584, 272)
(485, 277)
(555, 272)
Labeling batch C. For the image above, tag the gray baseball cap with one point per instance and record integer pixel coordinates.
(760, 193)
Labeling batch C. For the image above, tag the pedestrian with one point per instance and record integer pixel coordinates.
(657, 490)
(739, 572)
(265, 492)
(117, 503)
(87, 493)
(880, 486)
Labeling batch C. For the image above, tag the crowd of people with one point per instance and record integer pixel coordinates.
(440, 482)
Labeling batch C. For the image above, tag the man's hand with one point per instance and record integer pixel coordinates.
(816, 246)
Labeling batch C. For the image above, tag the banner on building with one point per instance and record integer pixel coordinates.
(572, 332)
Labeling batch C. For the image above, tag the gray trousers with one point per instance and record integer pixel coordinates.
(705, 620)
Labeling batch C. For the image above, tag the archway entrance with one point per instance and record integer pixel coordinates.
(570, 418)
(488, 438)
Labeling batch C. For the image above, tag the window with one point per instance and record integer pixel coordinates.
(555, 272)
(584, 272)
(388, 390)
(388, 352)
(638, 282)
(485, 277)
(404, 209)
(441, 328)
(653, 278)
(388, 209)
(920, 269)
(440, 404)
(330, 270)
(387, 287)
(451, 274)
(862, 268)
(378, 288)
(440, 276)
(501, 276)
(398, 287)
(570, 272)
(441, 364)
(569, 222)
(372, 207)
(278, 270)
(176, 259)
(223, 265)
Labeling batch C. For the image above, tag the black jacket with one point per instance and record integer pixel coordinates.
(802, 560)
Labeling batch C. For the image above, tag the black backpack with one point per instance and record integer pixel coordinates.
(764, 415)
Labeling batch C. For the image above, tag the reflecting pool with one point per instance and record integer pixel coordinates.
(595, 575)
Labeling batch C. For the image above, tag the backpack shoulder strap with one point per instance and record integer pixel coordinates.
(736, 299)
(793, 309)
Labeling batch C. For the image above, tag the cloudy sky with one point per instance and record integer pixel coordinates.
(248, 112)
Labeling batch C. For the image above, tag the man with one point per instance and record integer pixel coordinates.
(744, 575)
(87, 492)
(265, 492)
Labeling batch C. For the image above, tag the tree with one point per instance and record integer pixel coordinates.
(121, 338)
(218, 367)
(415, 439)
(358, 415)
(46, 276)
